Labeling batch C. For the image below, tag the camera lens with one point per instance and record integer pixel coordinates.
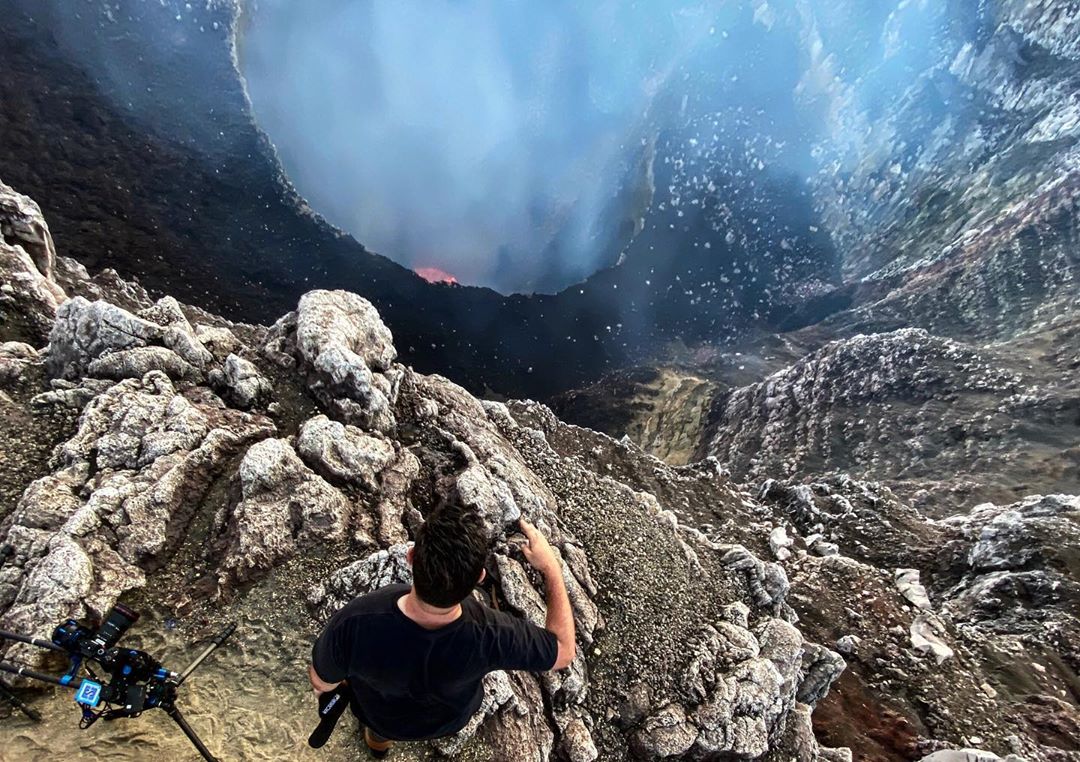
(115, 625)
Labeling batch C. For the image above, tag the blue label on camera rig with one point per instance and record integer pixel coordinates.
(89, 693)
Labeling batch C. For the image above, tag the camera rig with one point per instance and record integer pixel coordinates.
(131, 682)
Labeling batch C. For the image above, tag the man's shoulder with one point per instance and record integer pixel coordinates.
(486, 616)
(379, 601)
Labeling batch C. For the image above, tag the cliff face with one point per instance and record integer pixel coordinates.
(664, 411)
(129, 122)
(924, 173)
(951, 376)
(938, 407)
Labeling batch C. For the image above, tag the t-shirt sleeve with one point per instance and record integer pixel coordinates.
(330, 655)
(517, 644)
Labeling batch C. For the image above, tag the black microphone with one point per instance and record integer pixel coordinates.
(331, 706)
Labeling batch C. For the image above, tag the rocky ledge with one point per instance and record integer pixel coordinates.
(687, 646)
(712, 621)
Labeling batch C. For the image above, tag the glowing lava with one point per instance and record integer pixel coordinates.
(435, 275)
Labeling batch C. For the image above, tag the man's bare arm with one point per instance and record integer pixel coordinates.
(560, 617)
(317, 683)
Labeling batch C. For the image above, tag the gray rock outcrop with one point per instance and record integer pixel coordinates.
(285, 507)
(101, 339)
(347, 354)
(29, 295)
(238, 380)
(344, 453)
(117, 503)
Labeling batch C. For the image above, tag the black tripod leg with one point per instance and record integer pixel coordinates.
(18, 703)
(195, 740)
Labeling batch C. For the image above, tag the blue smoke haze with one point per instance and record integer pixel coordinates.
(489, 139)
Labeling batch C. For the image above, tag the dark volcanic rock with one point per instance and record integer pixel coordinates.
(164, 176)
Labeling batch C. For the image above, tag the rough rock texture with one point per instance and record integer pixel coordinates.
(966, 231)
(339, 341)
(239, 381)
(662, 410)
(909, 409)
(946, 622)
(121, 493)
(21, 224)
(285, 508)
(29, 295)
(384, 567)
(693, 642)
(1021, 576)
(15, 356)
(101, 339)
(804, 413)
(343, 453)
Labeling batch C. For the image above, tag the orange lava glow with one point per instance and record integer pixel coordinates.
(435, 275)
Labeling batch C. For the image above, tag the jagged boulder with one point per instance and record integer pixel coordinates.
(1018, 536)
(85, 330)
(178, 334)
(239, 381)
(343, 321)
(22, 224)
(285, 507)
(1020, 570)
(347, 354)
(29, 294)
(381, 568)
(87, 334)
(14, 357)
(137, 362)
(344, 453)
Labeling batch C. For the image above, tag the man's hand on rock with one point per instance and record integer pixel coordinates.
(560, 617)
(538, 551)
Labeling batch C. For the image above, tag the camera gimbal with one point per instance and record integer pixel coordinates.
(133, 680)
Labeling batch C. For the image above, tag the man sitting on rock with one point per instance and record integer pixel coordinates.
(414, 657)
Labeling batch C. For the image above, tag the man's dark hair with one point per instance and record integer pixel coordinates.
(449, 554)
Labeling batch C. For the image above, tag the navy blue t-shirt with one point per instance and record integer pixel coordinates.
(410, 683)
